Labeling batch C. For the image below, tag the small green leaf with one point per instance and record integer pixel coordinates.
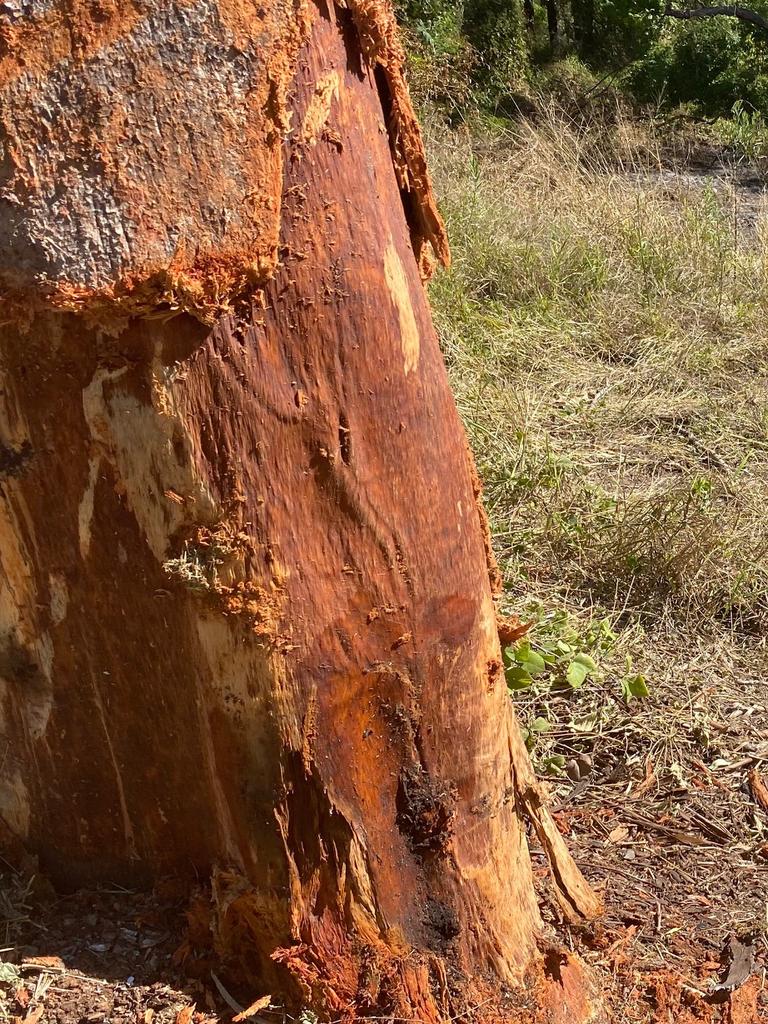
(554, 764)
(605, 629)
(9, 974)
(638, 687)
(534, 663)
(576, 674)
(525, 657)
(540, 725)
(634, 686)
(521, 652)
(586, 661)
(518, 678)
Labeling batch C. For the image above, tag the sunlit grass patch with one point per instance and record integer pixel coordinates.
(603, 324)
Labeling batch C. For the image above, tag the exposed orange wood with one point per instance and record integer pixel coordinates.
(247, 616)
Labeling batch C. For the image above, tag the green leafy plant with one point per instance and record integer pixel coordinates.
(701, 488)
(745, 132)
(633, 684)
(553, 764)
(537, 727)
(9, 975)
(578, 670)
(522, 664)
(557, 653)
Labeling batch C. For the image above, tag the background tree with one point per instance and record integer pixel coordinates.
(706, 57)
(584, 25)
(553, 22)
(495, 28)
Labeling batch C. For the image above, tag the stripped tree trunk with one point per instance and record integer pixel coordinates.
(247, 622)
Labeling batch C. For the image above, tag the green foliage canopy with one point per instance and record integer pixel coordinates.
(706, 64)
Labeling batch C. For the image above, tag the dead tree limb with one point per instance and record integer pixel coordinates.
(728, 10)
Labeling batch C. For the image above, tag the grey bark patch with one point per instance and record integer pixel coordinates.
(113, 164)
(12, 11)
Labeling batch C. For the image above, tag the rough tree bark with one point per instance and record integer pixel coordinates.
(247, 621)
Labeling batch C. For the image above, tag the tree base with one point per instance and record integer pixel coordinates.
(381, 978)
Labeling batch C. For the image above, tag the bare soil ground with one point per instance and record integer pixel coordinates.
(678, 849)
(680, 859)
(95, 956)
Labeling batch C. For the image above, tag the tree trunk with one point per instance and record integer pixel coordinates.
(530, 15)
(584, 26)
(247, 623)
(552, 22)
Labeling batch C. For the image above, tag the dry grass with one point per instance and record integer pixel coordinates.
(605, 333)
(604, 327)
